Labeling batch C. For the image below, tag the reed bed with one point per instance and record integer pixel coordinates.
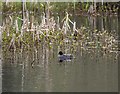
(32, 34)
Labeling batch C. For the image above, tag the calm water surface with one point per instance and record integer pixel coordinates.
(30, 71)
(39, 70)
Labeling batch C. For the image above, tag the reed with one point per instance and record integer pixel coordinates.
(32, 34)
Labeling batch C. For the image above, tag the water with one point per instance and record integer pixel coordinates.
(109, 22)
(29, 71)
(39, 70)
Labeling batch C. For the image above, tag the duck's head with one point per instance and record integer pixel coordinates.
(60, 60)
(60, 53)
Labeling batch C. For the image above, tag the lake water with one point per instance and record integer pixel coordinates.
(29, 71)
(39, 70)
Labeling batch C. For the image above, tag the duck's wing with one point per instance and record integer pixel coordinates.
(62, 57)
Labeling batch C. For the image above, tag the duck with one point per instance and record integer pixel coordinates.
(64, 57)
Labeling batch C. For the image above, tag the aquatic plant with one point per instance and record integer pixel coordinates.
(56, 8)
(32, 33)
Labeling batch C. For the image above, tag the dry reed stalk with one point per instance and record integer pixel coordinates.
(12, 42)
(16, 26)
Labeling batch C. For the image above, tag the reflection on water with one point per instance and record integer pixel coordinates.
(39, 70)
(109, 23)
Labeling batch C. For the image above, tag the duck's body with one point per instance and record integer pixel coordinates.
(64, 57)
